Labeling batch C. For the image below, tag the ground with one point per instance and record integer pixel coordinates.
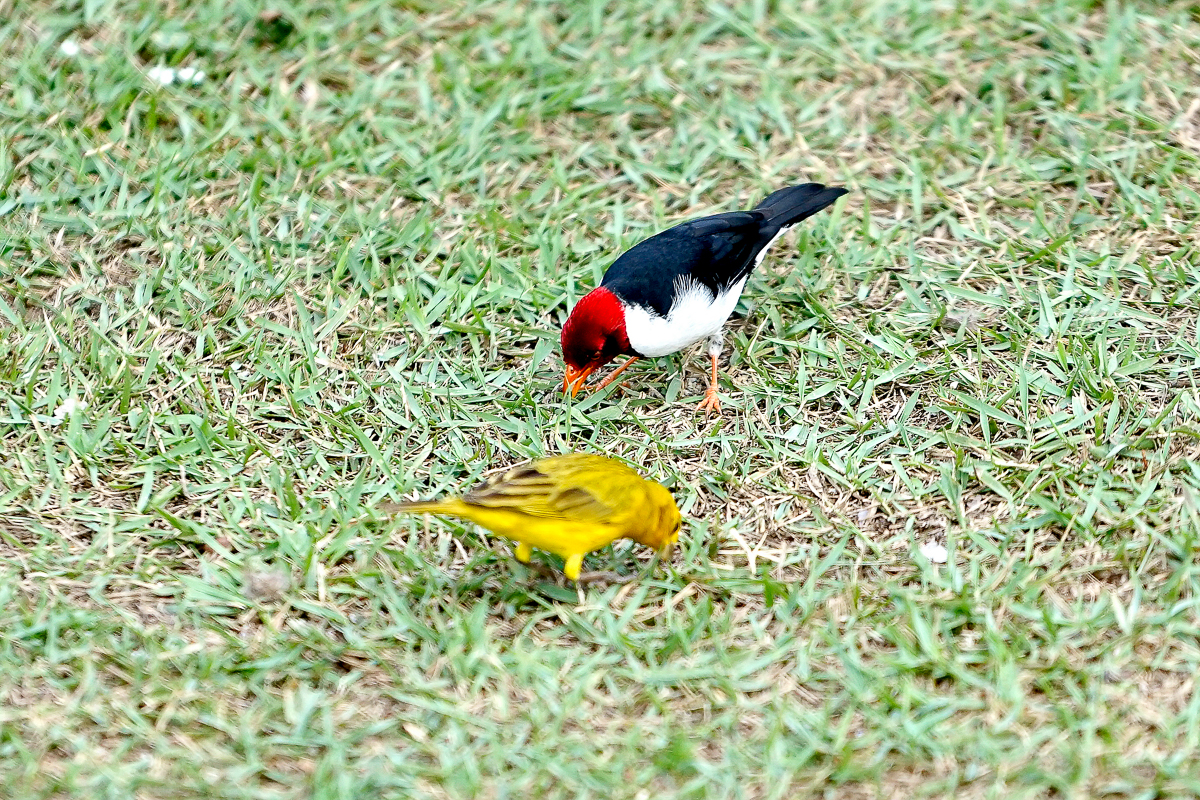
(326, 263)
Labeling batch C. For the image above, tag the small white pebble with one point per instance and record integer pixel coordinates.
(67, 408)
(69, 48)
(190, 75)
(935, 552)
(161, 75)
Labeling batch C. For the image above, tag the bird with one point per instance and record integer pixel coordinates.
(679, 287)
(568, 505)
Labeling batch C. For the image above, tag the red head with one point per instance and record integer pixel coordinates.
(593, 335)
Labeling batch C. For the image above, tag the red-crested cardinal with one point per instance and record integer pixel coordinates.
(679, 287)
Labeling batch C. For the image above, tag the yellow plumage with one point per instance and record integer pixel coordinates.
(567, 505)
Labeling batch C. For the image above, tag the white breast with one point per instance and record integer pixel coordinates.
(696, 315)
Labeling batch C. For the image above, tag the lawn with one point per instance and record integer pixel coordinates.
(325, 266)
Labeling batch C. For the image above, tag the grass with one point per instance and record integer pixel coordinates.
(333, 271)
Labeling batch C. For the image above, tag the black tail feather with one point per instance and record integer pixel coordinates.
(793, 203)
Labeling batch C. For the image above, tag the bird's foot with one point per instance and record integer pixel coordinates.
(612, 376)
(710, 402)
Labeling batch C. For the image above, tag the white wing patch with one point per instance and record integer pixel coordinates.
(696, 315)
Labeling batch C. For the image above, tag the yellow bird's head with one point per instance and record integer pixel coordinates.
(659, 528)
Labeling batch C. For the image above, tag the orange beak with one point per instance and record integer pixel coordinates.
(573, 380)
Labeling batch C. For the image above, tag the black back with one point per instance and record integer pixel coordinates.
(716, 251)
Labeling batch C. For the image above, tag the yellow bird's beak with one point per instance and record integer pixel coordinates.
(573, 380)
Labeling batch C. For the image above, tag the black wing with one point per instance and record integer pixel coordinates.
(716, 251)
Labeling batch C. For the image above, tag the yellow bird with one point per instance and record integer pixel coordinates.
(567, 505)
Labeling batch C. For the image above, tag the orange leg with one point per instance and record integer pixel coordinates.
(613, 375)
(710, 401)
